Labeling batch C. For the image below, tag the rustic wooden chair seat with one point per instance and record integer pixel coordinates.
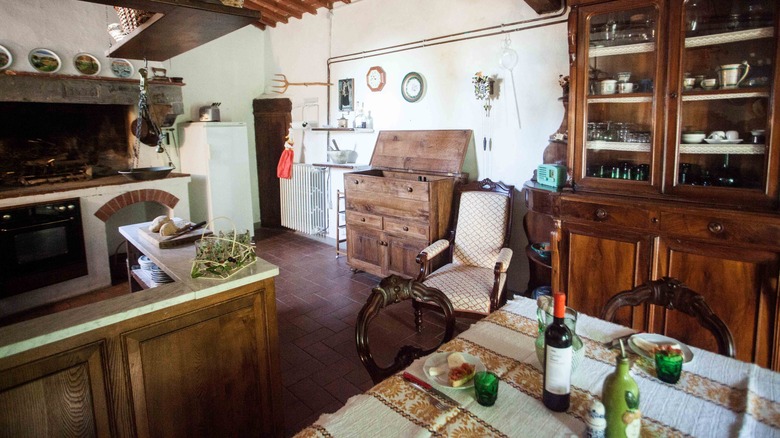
(475, 258)
(391, 290)
(674, 295)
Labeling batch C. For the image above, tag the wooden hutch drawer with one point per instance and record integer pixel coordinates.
(381, 186)
(405, 227)
(365, 219)
(738, 229)
(621, 215)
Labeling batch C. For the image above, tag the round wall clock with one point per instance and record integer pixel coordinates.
(413, 87)
(375, 78)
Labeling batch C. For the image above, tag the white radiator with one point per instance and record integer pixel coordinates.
(303, 199)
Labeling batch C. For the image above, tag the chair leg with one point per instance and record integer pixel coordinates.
(417, 316)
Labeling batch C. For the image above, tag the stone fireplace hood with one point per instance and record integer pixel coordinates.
(34, 87)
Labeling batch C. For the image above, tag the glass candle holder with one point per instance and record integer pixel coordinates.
(668, 366)
(486, 387)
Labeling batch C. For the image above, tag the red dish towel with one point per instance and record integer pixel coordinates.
(284, 169)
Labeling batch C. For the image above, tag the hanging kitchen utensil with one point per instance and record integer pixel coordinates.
(282, 79)
(146, 130)
(508, 60)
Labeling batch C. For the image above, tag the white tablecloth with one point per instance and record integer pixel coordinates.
(716, 395)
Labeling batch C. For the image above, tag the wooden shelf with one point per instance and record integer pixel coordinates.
(729, 37)
(719, 149)
(355, 130)
(733, 93)
(142, 277)
(627, 49)
(601, 145)
(622, 98)
(176, 27)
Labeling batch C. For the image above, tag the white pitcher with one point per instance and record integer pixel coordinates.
(729, 74)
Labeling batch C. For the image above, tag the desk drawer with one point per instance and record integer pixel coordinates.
(365, 219)
(403, 227)
(383, 186)
(618, 215)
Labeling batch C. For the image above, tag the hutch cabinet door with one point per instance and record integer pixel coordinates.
(617, 90)
(598, 262)
(721, 95)
(741, 286)
(401, 255)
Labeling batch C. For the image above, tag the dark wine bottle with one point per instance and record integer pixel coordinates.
(557, 358)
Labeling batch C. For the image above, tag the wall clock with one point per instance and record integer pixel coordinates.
(375, 78)
(413, 87)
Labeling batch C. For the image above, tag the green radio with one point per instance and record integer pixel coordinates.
(552, 175)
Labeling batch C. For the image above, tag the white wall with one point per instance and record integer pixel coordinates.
(300, 50)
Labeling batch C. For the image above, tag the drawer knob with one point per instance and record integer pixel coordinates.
(406, 228)
(362, 219)
(601, 214)
(409, 189)
(356, 181)
(715, 227)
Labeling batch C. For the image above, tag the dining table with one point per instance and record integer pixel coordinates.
(716, 396)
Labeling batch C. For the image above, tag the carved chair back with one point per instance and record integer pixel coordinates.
(392, 290)
(674, 295)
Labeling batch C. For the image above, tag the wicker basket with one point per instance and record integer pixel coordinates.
(131, 18)
(221, 255)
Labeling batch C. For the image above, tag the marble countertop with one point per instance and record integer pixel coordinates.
(176, 262)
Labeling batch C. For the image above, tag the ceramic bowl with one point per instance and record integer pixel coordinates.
(709, 84)
(543, 249)
(693, 137)
(339, 157)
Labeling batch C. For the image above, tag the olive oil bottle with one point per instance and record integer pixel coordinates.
(620, 396)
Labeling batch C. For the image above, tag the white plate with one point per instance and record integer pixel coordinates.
(44, 60)
(438, 359)
(719, 141)
(5, 58)
(658, 339)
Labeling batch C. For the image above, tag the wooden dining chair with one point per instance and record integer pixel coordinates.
(674, 295)
(392, 290)
(475, 258)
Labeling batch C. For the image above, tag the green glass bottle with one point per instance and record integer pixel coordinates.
(620, 396)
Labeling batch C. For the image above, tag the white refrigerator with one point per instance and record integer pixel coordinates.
(216, 154)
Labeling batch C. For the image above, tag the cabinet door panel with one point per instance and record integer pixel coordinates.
(601, 263)
(364, 250)
(61, 395)
(176, 373)
(401, 255)
(739, 285)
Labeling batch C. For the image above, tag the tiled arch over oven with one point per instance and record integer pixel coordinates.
(128, 198)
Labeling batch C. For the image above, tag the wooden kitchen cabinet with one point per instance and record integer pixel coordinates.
(643, 202)
(403, 203)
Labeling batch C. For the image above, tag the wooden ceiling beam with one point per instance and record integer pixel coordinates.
(266, 13)
(304, 6)
(279, 8)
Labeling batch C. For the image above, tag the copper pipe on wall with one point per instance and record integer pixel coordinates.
(435, 41)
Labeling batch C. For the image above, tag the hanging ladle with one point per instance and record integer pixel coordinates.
(508, 60)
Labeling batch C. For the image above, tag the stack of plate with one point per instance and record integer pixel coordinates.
(158, 276)
(145, 263)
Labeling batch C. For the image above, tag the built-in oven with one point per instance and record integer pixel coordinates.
(40, 245)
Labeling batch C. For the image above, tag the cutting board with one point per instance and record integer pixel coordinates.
(159, 241)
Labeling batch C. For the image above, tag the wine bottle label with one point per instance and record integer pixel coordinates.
(557, 370)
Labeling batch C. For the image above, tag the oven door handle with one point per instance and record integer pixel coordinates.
(31, 227)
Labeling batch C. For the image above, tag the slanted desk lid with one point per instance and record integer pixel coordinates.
(436, 151)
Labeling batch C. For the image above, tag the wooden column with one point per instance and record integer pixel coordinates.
(272, 122)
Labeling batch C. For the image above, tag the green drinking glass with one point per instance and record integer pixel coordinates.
(486, 387)
(668, 366)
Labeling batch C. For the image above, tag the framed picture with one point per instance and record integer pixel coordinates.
(86, 64)
(346, 94)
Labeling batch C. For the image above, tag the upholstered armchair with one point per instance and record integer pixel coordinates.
(475, 258)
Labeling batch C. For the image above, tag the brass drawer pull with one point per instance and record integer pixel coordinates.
(406, 228)
(601, 214)
(715, 227)
(356, 181)
(409, 189)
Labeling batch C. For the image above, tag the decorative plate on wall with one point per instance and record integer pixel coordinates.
(413, 87)
(44, 60)
(375, 78)
(86, 64)
(5, 58)
(122, 68)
